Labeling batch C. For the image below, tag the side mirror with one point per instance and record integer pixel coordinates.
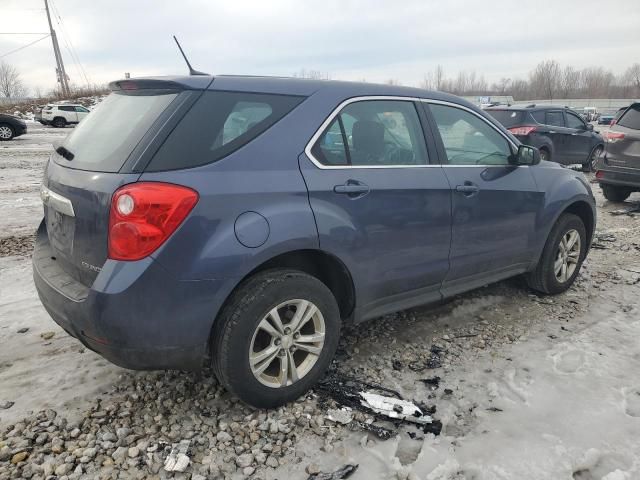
(527, 155)
(589, 127)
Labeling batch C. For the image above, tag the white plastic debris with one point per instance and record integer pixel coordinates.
(394, 408)
(340, 415)
(178, 461)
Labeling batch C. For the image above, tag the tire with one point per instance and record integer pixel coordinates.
(59, 122)
(615, 194)
(6, 132)
(590, 164)
(545, 155)
(545, 278)
(237, 335)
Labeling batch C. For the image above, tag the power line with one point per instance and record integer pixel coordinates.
(23, 33)
(69, 44)
(24, 46)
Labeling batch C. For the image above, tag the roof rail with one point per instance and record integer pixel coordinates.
(531, 105)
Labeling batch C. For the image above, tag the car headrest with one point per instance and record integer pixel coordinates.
(368, 137)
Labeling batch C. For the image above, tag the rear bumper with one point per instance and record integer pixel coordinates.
(619, 176)
(135, 314)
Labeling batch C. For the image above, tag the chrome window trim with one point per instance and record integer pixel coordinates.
(334, 113)
(56, 201)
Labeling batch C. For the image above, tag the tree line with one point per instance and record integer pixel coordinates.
(548, 80)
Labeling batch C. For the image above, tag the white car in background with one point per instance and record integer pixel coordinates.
(62, 115)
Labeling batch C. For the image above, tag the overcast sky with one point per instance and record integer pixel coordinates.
(348, 39)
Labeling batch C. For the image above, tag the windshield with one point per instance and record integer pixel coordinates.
(508, 118)
(103, 140)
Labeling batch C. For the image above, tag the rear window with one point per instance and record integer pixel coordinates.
(508, 118)
(631, 118)
(103, 141)
(218, 124)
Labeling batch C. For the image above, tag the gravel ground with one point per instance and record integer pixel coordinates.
(529, 386)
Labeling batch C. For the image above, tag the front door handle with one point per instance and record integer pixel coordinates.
(353, 188)
(468, 189)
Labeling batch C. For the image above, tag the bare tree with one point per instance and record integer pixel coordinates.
(569, 82)
(11, 85)
(392, 81)
(596, 81)
(632, 77)
(545, 79)
(312, 74)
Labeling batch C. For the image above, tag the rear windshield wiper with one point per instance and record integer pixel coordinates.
(66, 154)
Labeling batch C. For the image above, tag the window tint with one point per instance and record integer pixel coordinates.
(373, 132)
(66, 108)
(539, 117)
(218, 124)
(555, 118)
(329, 149)
(573, 121)
(508, 118)
(81, 109)
(631, 118)
(103, 141)
(469, 140)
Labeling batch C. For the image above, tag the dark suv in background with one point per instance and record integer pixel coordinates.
(559, 133)
(619, 169)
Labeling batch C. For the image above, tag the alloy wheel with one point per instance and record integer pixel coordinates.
(567, 256)
(5, 132)
(594, 158)
(287, 343)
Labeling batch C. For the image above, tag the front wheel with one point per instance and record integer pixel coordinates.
(59, 122)
(6, 132)
(275, 337)
(615, 194)
(562, 257)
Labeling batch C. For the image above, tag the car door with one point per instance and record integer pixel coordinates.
(81, 112)
(69, 113)
(494, 202)
(559, 135)
(580, 139)
(380, 202)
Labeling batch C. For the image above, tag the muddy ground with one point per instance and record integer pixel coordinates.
(529, 386)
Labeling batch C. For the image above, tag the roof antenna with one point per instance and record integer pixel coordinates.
(191, 70)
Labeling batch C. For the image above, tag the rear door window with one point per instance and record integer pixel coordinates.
(373, 133)
(217, 125)
(631, 118)
(555, 118)
(105, 139)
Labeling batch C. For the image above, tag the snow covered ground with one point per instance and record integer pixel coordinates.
(530, 387)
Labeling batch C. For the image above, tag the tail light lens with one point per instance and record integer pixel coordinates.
(613, 137)
(599, 174)
(613, 122)
(143, 215)
(522, 131)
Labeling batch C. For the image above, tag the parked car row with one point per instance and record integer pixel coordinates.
(239, 222)
(559, 133)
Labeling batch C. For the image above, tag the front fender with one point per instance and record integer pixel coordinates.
(565, 190)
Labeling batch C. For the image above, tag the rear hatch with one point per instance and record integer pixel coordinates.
(623, 140)
(508, 118)
(90, 165)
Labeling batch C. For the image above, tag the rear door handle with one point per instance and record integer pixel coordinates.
(468, 189)
(353, 188)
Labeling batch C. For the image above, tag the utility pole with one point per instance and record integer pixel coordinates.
(60, 71)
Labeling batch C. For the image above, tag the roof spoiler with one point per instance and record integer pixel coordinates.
(145, 84)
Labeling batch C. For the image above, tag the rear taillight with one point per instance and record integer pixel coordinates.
(613, 137)
(613, 122)
(143, 215)
(522, 131)
(599, 174)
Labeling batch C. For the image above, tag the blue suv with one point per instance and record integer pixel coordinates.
(238, 222)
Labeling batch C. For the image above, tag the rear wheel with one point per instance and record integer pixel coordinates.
(615, 194)
(59, 122)
(562, 256)
(6, 132)
(544, 154)
(275, 337)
